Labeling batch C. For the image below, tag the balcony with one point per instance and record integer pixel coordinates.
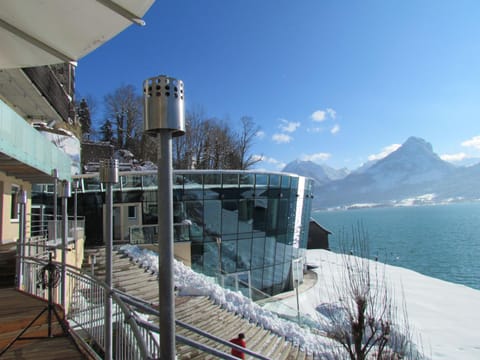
(27, 154)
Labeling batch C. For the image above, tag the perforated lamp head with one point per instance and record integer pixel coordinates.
(164, 108)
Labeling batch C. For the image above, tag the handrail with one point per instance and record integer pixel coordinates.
(147, 308)
(86, 309)
(135, 341)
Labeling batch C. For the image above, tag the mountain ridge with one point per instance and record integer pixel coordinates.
(413, 172)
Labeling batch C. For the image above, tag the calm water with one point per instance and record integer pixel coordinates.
(440, 241)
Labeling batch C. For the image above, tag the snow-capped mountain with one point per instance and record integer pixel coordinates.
(413, 171)
(322, 174)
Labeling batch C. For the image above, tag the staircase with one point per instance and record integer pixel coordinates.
(198, 311)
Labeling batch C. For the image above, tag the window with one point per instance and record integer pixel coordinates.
(14, 207)
(132, 211)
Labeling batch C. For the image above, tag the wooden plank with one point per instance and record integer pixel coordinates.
(17, 311)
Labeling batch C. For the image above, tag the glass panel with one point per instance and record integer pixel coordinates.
(229, 216)
(149, 181)
(259, 215)
(92, 184)
(244, 254)
(268, 280)
(272, 216)
(230, 179)
(212, 217)
(261, 180)
(282, 216)
(14, 207)
(247, 179)
(275, 180)
(269, 255)
(294, 187)
(211, 260)
(279, 252)
(285, 182)
(257, 278)
(197, 256)
(229, 256)
(258, 252)
(212, 179)
(278, 280)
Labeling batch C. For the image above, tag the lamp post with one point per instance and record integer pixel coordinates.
(65, 193)
(108, 176)
(55, 210)
(22, 202)
(164, 117)
(76, 185)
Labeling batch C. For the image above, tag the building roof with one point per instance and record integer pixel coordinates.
(315, 223)
(34, 33)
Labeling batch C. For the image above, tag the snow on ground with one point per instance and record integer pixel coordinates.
(444, 315)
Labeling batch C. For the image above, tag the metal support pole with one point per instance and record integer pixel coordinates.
(164, 117)
(75, 213)
(63, 289)
(22, 202)
(109, 176)
(55, 210)
(165, 247)
(108, 273)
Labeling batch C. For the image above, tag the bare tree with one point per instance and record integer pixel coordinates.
(210, 143)
(246, 137)
(124, 111)
(367, 322)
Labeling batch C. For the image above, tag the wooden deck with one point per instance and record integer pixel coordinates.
(17, 310)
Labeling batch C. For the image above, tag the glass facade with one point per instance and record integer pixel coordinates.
(235, 221)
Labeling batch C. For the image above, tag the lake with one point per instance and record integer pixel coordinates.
(441, 241)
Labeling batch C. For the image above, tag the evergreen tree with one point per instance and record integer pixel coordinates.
(106, 130)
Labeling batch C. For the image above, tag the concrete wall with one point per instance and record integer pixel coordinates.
(9, 228)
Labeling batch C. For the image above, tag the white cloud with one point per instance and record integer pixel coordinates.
(385, 152)
(260, 134)
(454, 157)
(277, 164)
(332, 113)
(473, 142)
(335, 129)
(322, 115)
(281, 138)
(319, 115)
(288, 126)
(317, 157)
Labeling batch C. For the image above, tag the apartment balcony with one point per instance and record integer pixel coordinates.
(43, 93)
(25, 153)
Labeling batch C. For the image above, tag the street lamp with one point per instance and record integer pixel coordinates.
(65, 193)
(108, 176)
(164, 117)
(22, 204)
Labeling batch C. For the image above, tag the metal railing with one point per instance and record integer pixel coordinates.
(148, 234)
(135, 334)
(86, 311)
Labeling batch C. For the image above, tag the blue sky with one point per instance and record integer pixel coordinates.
(336, 82)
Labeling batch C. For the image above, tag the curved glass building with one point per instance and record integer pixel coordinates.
(226, 222)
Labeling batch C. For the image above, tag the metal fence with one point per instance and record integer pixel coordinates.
(135, 322)
(86, 311)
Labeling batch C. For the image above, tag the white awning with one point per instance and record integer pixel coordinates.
(42, 32)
